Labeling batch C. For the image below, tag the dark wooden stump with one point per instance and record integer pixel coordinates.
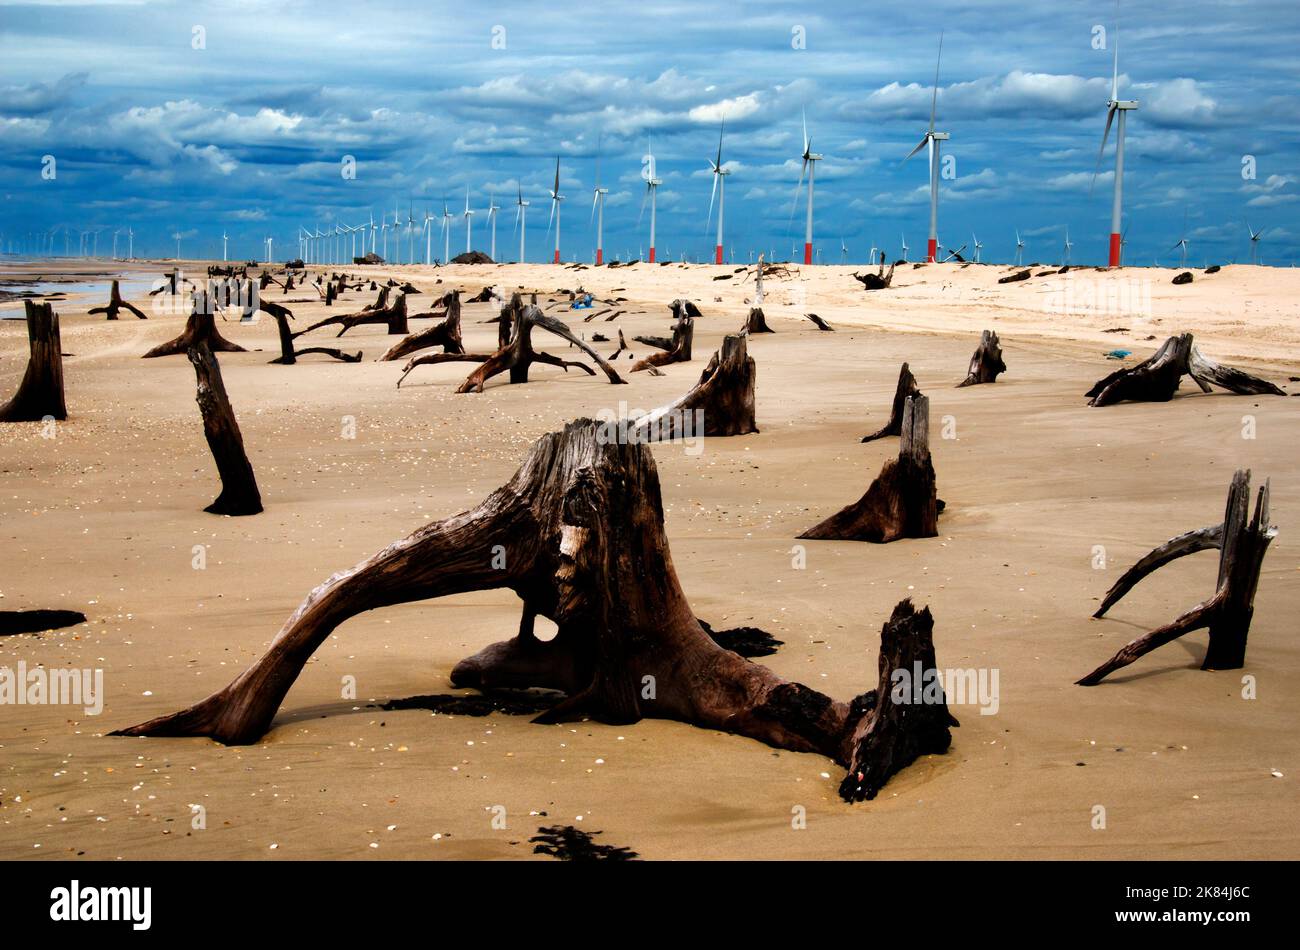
(720, 404)
(902, 501)
(115, 304)
(239, 494)
(678, 349)
(1242, 542)
(445, 334)
(582, 525)
(756, 322)
(1156, 379)
(288, 354)
(200, 325)
(906, 387)
(986, 363)
(40, 394)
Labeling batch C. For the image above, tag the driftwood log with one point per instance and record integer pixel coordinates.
(582, 526)
(1242, 541)
(901, 502)
(445, 334)
(986, 363)
(906, 387)
(239, 494)
(720, 404)
(288, 354)
(115, 304)
(819, 323)
(394, 316)
(40, 393)
(879, 280)
(518, 354)
(1157, 378)
(200, 325)
(676, 350)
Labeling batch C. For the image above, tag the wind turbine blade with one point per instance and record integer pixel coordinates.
(804, 114)
(1110, 115)
(924, 141)
(644, 198)
(557, 174)
(797, 188)
(934, 97)
(1114, 82)
(718, 163)
(712, 195)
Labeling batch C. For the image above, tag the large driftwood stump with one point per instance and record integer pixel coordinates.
(445, 334)
(1242, 544)
(987, 363)
(582, 526)
(394, 316)
(518, 354)
(901, 502)
(239, 494)
(115, 304)
(200, 325)
(1157, 378)
(720, 404)
(879, 280)
(906, 387)
(40, 393)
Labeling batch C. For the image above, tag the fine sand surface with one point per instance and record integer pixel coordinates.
(105, 516)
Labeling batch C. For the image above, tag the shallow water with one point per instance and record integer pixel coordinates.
(132, 285)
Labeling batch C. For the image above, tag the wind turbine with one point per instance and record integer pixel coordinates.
(651, 189)
(428, 237)
(1122, 107)
(1182, 241)
(809, 166)
(521, 219)
(720, 192)
(931, 141)
(1068, 247)
(904, 238)
(130, 243)
(492, 220)
(446, 233)
(1123, 242)
(598, 210)
(176, 235)
(1254, 242)
(844, 251)
(469, 221)
(383, 229)
(556, 198)
(978, 246)
(1020, 249)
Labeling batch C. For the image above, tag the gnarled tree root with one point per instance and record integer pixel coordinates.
(581, 525)
(1242, 544)
(200, 325)
(1156, 378)
(116, 304)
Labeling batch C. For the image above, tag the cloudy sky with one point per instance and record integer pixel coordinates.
(248, 133)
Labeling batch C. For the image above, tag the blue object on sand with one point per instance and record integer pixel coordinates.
(581, 303)
(1119, 354)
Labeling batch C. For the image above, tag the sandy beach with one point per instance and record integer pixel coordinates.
(106, 517)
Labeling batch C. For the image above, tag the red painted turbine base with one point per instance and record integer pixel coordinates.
(807, 253)
(1114, 250)
(600, 257)
(652, 255)
(932, 250)
(717, 259)
(557, 257)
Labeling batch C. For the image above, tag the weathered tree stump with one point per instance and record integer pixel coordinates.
(906, 387)
(819, 323)
(394, 316)
(582, 526)
(879, 280)
(40, 393)
(200, 325)
(239, 494)
(677, 350)
(756, 322)
(517, 355)
(288, 355)
(115, 304)
(986, 363)
(720, 404)
(1157, 378)
(1242, 544)
(445, 334)
(901, 502)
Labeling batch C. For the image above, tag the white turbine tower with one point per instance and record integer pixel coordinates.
(130, 244)
(598, 210)
(844, 251)
(1068, 247)
(446, 233)
(383, 230)
(977, 245)
(809, 167)
(521, 219)
(177, 236)
(1122, 107)
(931, 141)
(1182, 241)
(469, 221)
(1020, 249)
(652, 184)
(720, 192)
(1254, 242)
(428, 237)
(492, 210)
(556, 198)
(904, 239)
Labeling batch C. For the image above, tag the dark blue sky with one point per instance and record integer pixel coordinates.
(248, 134)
